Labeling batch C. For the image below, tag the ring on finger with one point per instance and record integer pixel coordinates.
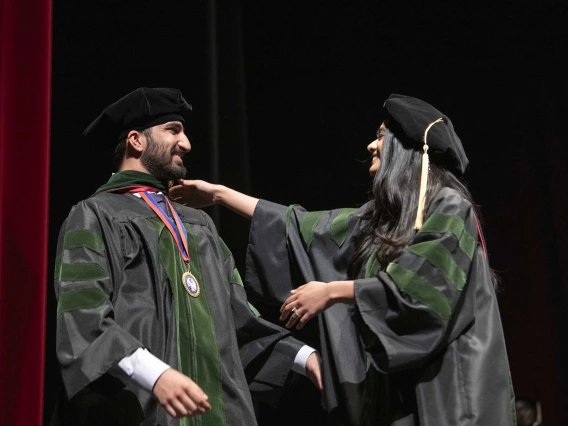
(295, 312)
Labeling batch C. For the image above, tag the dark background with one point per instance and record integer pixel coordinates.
(287, 95)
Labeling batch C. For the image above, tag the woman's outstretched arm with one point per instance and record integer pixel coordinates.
(199, 193)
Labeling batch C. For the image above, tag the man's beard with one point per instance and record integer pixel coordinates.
(159, 162)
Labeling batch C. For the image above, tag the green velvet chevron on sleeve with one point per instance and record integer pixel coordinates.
(421, 290)
(442, 259)
(339, 226)
(83, 298)
(83, 238)
(442, 223)
(308, 226)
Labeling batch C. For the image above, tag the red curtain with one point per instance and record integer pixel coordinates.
(25, 80)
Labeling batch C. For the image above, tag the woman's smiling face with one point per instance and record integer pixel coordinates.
(376, 150)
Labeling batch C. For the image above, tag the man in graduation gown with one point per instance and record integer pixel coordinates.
(153, 324)
(419, 342)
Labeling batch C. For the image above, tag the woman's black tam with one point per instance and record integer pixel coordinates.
(413, 117)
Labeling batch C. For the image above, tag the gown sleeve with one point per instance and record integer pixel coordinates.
(424, 299)
(267, 351)
(289, 246)
(89, 343)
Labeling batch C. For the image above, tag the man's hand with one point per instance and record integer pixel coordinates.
(194, 193)
(179, 395)
(313, 372)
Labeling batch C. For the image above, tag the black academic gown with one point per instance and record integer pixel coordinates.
(423, 343)
(118, 286)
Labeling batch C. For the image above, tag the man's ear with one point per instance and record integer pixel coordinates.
(136, 141)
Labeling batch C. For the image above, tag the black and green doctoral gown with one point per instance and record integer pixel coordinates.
(423, 344)
(118, 285)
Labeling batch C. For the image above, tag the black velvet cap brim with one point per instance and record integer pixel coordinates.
(139, 110)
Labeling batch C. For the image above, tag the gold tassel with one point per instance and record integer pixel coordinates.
(424, 179)
(423, 187)
(538, 413)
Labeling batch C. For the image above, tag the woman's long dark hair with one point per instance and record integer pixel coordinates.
(389, 225)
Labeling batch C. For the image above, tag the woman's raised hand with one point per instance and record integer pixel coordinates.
(198, 194)
(194, 193)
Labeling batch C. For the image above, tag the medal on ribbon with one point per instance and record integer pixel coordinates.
(179, 233)
(190, 284)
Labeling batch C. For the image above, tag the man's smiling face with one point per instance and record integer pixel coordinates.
(166, 145)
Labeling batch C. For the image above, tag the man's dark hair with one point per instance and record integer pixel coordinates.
(120, 148)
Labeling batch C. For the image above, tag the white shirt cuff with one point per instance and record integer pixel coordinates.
(301, 359)
(143, 368)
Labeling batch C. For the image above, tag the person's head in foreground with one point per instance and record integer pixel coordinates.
(527, 412)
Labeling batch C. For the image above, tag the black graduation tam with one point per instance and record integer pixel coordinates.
(143, 108)
(414, 116)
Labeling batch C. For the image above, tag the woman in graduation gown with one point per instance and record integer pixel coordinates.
(401, 288)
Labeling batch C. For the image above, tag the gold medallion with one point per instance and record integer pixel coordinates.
(190, 284)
